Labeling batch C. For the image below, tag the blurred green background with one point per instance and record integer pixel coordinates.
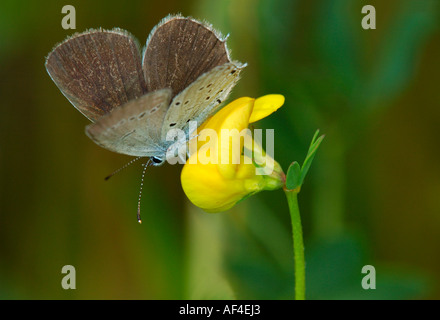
(371, 197)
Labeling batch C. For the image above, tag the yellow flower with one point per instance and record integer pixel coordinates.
(227, 164)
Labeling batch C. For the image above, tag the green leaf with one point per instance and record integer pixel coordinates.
(313, 141)
(295, 174)
(293, 178)
(310, 155)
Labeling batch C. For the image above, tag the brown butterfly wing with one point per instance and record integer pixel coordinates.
(98, 70)
(178, 51)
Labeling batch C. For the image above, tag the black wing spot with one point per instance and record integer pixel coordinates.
(186, 102)
(233, 71)
(201, 88)
(177, 103)
(207, 98)
(172, 124)
(141, 115)
(219, 101)
(153, 110)
(209, 85)
(188, 120)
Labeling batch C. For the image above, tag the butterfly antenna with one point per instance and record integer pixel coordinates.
(122, 168)
(145, 165)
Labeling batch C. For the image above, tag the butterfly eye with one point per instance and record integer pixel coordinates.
(156, 160)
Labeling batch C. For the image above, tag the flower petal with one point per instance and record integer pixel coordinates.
(233, 116)
(208, 189)
(221, 170)
(229, 123)
(266, 105)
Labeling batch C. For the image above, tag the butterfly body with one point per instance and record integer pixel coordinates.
(133, 100)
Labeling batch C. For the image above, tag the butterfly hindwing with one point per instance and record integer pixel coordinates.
(133, 128)
(98, 70)
(202, 98)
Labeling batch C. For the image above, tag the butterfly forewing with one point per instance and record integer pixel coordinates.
(134, 128)
(202, 98)
(178, 51)
(98, 70)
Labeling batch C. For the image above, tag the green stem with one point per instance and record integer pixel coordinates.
(298, 245)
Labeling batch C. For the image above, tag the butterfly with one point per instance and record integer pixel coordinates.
(133, 99)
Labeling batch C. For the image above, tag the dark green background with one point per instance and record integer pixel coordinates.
(372, 195)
